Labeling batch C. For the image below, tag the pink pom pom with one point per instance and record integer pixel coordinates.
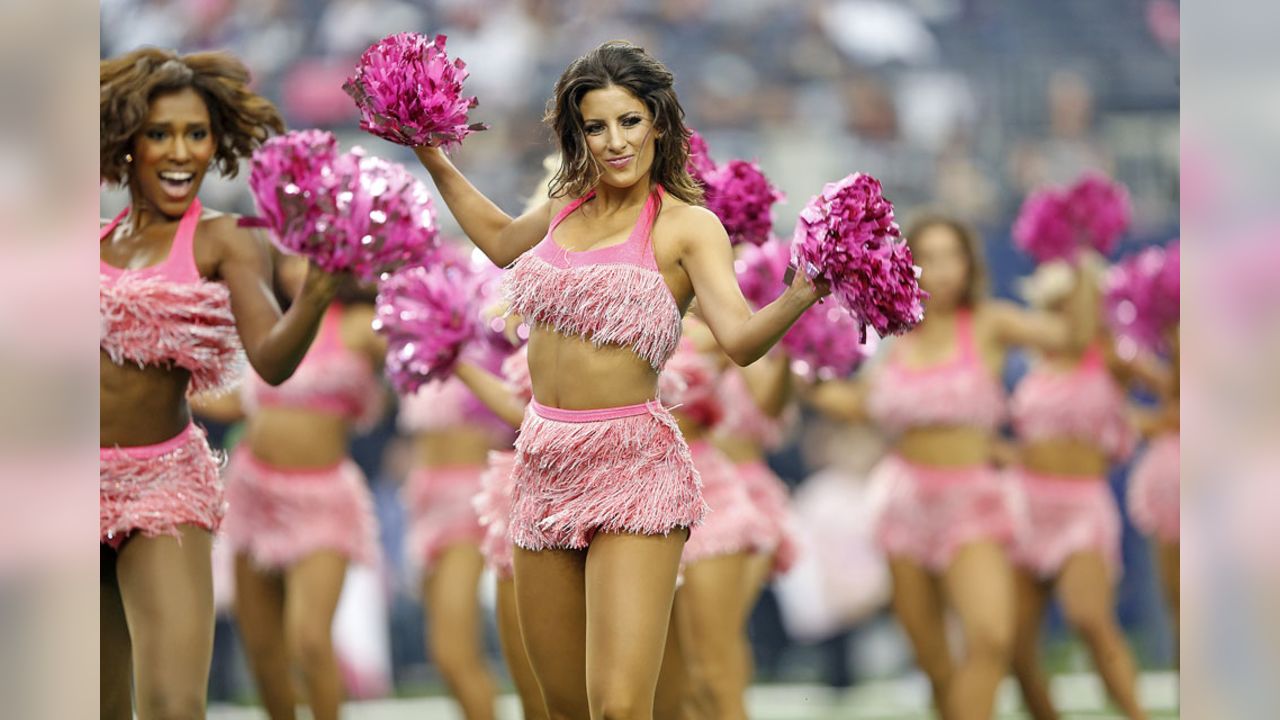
(427, 317)
(1142, 298)
(847, 236)
(825, 343)
(700, 164)
(346, 213)
(743, 198)
(762, 269)
(409, 92)
(1054, 224)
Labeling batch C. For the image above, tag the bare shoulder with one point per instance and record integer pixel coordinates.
(224, 234)
(684, 223)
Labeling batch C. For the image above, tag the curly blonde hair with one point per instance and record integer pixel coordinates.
(240, 118)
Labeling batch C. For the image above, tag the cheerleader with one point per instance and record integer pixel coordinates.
(949, 518)
(605, 486)
(182, 290)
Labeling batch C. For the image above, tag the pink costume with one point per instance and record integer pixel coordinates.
(732, 524)
(930, 512)
(624, 469)
(439, 498)
(1070, 514)
(165, 315)
(277, 515)
(1153, 499)
(744, 420)
(493, 501)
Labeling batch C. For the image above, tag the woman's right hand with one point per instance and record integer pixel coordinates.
(320, 285)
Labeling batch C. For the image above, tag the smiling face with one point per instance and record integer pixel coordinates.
(942, 256)
(172, 151)
(620, 135)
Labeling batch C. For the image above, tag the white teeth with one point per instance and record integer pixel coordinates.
(177, 176)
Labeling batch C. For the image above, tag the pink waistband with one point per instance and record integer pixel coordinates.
(148, 451)
(245, 455)
(596, 415)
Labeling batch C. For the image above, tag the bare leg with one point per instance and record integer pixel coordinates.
(979, 585)
(311, 591)
(1168, 559)
(260, 618)
(514, 653)
(918, 605)
(551, 605)
(453, 622)
(167, 589)
(671, 697)
(712, 636)
(115, 701)
(1088, 602)
(630, 584)
(1032, 597)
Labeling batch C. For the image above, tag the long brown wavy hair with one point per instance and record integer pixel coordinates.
(240, 118)
(625, 65)
(975, 290)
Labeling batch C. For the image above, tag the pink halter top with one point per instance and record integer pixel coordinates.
(1082, 403)
(445, 405)
(331, 379)
(166, 315)
(744, 420)
(959, 392)
(614, 295)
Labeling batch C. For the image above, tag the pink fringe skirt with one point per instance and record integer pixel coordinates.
(929, 513)
(772, 501)
(616, 470)
(1067, 515)
(152, 489)
(493, 505)
(732, 524)
(278, 516)
(1153, 499)
(440, 510)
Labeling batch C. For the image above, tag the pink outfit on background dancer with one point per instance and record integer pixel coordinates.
(165, 315)
(493, 502)
(623, 469)
(930, 512)
(279, 515)
(1154, 492)
(743, 419)
(1070, 514)
(439, 498)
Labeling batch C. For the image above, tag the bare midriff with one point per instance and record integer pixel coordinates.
(573, 374)
(461, 445)
(1064, 456)
(297, 438)
(945, 446)
(740, 450)
(140, 405)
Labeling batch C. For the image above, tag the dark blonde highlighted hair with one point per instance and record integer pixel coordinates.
(240, 118)
(976, 288)
(628, 66)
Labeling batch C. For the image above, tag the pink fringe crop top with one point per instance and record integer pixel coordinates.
(959, 392)
(166, 315)
(614, 295)
(331, 379)
(744, 420)
(445, 405)
(1082, 403)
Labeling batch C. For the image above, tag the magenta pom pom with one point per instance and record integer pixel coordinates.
(825, 343)
(409, 92)
(1142, 298)
(762, 269)
(1054, 224)
(700, 164)
(427, 316)
(848, 237)
(743, 198)
(345, 212)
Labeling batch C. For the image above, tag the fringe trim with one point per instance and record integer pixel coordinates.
(628, 475)
(344, 378)
(493, 506)
(154, 495)
(607, 304)
(154, 321)
(733, 524)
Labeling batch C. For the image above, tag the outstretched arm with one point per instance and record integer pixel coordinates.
(497, 234)
(707, 258)
(1067, 330)
(769, 382)
(838, 399)
(492, 391)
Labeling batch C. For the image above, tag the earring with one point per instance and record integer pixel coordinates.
(128, 157)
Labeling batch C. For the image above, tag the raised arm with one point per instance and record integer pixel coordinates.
(275, 343)
(497, 234)
(838, 399)
(223, 407)
(1069, 329)
(492, 391)
(707, 258)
